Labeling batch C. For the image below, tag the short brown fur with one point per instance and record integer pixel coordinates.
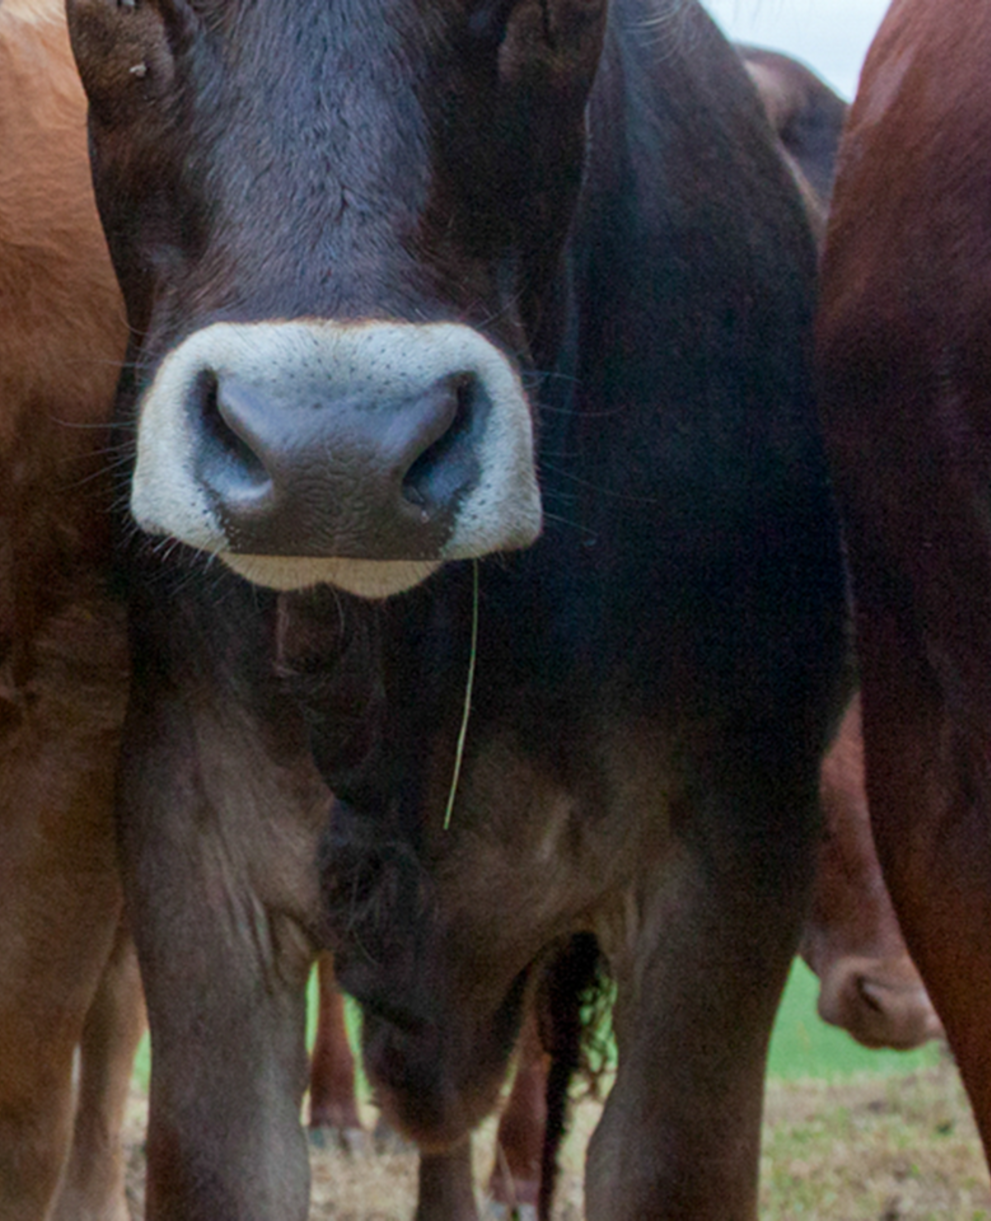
(63, 660)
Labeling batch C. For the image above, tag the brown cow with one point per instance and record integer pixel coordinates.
(409, 285)
(905, 365)
(867, 981)
(63, 659)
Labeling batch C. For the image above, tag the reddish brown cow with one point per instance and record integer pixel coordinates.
(332, 1072)
(905, 364)
(63, 664)
(868, 983)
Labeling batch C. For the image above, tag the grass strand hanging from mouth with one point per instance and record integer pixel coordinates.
(463, 733)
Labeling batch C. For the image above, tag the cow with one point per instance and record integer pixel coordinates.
(92, 1186)
(868, 984)
(332, 1072)
(476, 481)
(851, 939)
(903, 365)
(806, 114)
(68, 981)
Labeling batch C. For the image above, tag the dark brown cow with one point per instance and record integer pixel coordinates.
(906, 370)
(408, 285)
(63, 657)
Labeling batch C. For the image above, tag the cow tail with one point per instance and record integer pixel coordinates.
(567, 1008)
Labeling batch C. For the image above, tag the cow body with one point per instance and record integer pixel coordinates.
(390, 272)
(903, 351)
(63, 656)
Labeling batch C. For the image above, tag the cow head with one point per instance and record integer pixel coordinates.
(868, 983)
(337, 227)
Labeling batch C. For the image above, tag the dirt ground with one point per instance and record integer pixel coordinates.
(864, 1149)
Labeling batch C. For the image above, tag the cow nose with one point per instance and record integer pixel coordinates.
(881, 1002)
(347, 476)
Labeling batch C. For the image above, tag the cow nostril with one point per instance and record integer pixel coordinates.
(224, 449)
(443, 471)
(868, 994)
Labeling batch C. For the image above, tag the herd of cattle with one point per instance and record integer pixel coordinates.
(418, 543)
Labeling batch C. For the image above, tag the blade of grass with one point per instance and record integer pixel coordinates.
(462, 735)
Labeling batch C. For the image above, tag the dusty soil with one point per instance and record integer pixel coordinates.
(864, 1149)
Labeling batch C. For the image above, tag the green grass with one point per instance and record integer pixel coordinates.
(802, 1045)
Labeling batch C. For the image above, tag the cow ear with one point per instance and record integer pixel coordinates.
(123, 54)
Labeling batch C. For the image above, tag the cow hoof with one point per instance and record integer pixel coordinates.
(387, 1140)
(496, 1210)
(355, 1142)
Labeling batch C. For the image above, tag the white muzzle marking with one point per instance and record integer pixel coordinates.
(289, 361)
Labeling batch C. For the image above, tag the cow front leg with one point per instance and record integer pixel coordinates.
(59, 905)
(92, 1187)
(219, 825)
(445, 1186)
(700, 953)
(333, 1101)
(515, 1178)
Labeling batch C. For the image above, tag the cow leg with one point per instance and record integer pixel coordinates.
(219, 827)
(929, 788)
(515, 1178)
(445, 1187)
(332, 1076)
(46, 990)
(60, 904)
(700, 955)
(93, 1186)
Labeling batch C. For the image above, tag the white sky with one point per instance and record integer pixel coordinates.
(831, 36)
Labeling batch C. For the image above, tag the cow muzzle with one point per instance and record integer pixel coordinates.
(358, 454)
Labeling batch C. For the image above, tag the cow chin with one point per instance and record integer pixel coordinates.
(373, 579)
(420, 1092)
